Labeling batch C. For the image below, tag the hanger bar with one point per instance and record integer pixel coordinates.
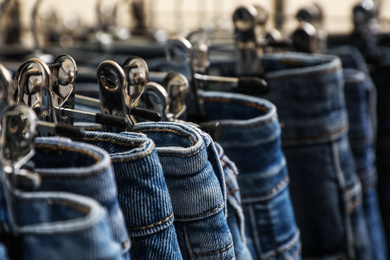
(136, 111)
(72, 132)
(100, 118)
(87, 101)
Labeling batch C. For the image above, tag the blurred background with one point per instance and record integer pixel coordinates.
(72, 20)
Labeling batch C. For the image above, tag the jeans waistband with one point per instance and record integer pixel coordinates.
(308, 93)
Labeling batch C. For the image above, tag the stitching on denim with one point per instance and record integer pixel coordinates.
(279, 252)
(201, 215)
(308, 74)
(228, 165)
(234, 101)
(188, 243)
(152, 225)
(167, 130)
(215, 252)
(354, 204)
(280, 184)
(133, 158)
(83, 151)
(112, 141)
(328, 134)
(181, 155)
(233, 193)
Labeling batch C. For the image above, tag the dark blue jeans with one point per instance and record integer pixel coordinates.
(196, 183)
(325, 189)
(142, 193)
(251, 138)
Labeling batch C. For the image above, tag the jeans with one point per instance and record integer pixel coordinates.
(195, 181)
(251, 138)
(361, 98)
(142, 194)
(67, 166)
(55, 225)
(357, 89)
(235, 214)
(325, 189)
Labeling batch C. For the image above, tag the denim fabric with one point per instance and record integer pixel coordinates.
(325, 189)
(58, 225)
(68, 166)
(361, 97)
(235, 213)
(142, 194)
(251, 138)
(196, 184)
(357, 88)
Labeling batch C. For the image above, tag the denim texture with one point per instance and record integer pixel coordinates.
(142, 194)
(308, 91)
(357, 88)
(195, 181)
(68, 166)
(58, 225)
(235, 213)
(251, 139)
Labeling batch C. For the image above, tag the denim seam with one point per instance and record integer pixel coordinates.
(215, 252)
(309, 74)
(226, 164)
(180, 155)
(152, 225)
(66, 148)
(167, 130)
(262, 123)
(232, 192)
(239, 102)
(279, 252)
(319, 136)
(274, 189)
(115, 160)
(354, 204)
(113, 141)
(349, 239)
(178, 218)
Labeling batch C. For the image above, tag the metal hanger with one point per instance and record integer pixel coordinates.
(310, 36)
(32, 88)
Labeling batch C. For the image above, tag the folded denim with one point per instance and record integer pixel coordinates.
(325, 189)
(56, 225)
(251, 139)
(68, 166)
(196, 183)
(142, 194)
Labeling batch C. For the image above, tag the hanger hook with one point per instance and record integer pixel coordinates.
(33, 88)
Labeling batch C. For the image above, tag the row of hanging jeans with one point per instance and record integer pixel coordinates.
(292, 176)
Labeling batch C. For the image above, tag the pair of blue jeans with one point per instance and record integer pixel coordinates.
(251, 139)
(67, 166)
(196, 184)
(308, 91)
(142, 193)
(54, 225)
(360, 96)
